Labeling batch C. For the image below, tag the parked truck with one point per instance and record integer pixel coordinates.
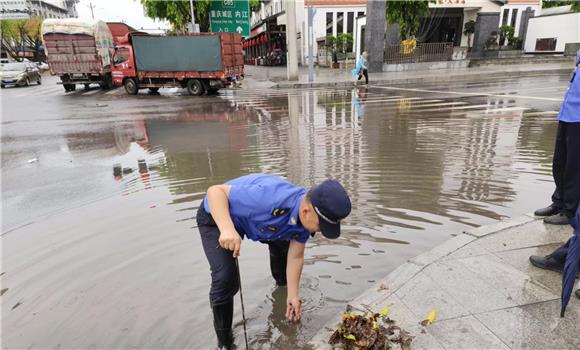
(201, 62)
(78, 51)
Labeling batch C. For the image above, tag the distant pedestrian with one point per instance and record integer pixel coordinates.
(267, 209)
(362, 67)
(566, 162)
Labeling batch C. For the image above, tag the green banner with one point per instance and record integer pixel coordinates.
(230, 16)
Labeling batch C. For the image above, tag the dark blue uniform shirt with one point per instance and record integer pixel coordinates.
(265, 207)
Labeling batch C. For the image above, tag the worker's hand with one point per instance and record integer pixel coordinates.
(231, 240)
(293, 309)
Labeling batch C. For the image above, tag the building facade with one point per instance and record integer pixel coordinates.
(331, 17)
(512, 11)
(553, 31)
(23, 9)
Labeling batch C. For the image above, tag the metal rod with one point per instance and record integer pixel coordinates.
(242, 299)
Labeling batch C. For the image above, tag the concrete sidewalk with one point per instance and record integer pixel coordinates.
(275, 77)
(485, 292)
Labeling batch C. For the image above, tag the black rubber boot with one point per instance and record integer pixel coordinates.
(548, 211)
(222, 321)
(578, 294)
(557, 219)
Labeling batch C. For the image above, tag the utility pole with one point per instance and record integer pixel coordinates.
(310, 44)
(91, 6)
(193, 29)
(291, 40)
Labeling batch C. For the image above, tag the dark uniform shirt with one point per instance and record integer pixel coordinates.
(265, 207)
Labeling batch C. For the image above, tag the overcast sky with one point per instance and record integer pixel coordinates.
(128, 11)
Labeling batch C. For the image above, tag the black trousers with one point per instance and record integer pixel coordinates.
(561, 253)
(566, 168)
(224, 277)
(365, 72)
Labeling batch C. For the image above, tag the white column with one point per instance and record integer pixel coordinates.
(291, 41)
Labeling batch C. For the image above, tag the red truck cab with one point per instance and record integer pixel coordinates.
(123, 63)
(177, 61)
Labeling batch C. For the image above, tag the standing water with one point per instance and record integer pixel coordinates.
(92, 260)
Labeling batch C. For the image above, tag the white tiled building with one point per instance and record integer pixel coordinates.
(22, 9)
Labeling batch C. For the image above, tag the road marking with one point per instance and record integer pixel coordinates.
(469, 93)
(481, 107)
(416, 106)
(535, 114)
(114, 91)
(88, 93)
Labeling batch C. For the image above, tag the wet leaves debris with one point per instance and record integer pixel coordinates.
(366, 329)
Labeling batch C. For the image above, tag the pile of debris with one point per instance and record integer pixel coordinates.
(369, 330)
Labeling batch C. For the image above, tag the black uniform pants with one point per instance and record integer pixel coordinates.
(566, 168)
(224, 277)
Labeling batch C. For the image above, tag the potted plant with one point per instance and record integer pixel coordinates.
(515, 43)
(505, 32)
(339, 45)
(332, 46)
(469, 30)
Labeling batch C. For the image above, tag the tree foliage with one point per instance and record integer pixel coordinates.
(178, 13)
(254, 5)
(407, 14)
(555, 3)
(20, 33)
(469, 27)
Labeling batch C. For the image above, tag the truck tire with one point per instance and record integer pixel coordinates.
(69, 87)
(131, 86)
(195, 87)
(107, 82)
(154, 89)
(87, 87)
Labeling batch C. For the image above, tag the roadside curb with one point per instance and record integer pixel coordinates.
(389, 285)
(427, 79)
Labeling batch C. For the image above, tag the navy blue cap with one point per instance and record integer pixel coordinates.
(332, 204)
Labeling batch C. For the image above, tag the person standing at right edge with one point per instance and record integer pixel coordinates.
(566, 163)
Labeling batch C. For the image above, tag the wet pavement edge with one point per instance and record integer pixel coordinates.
(483, 289)
(429, 77)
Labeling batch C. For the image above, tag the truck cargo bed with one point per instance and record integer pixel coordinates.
(72, 54)
(197, 55)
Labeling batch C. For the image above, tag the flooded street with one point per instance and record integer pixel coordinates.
(93, 260)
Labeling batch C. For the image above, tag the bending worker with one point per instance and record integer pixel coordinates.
(270, 210)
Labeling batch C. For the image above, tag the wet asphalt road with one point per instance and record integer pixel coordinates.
(96, 261)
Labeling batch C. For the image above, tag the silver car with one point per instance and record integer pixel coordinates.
(19, 74)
